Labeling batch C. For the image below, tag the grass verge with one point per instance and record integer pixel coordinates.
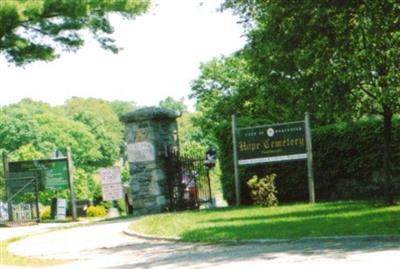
(283, 222)
(8, 258)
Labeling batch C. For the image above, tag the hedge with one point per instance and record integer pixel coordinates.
(348, 162)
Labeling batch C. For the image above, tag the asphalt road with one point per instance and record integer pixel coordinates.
(103, 245)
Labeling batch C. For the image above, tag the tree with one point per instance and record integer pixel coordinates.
(226, 86)
(176, 105)
(343, 56)
(102, 122)
(122, 107)
(192, 141)
(32, 130)
(33, 30)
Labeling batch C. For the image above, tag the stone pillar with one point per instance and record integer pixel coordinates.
(151, 135)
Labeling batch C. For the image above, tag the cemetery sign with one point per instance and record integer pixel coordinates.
(52, 173)
(271, 143)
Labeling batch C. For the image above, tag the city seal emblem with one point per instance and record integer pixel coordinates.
(270, 132)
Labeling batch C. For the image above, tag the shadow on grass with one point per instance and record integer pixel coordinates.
(306, 225)
(317, 211)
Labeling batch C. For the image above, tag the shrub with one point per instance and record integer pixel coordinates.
(45, 213)
(121, 206)
(263, 191)
(96, 211)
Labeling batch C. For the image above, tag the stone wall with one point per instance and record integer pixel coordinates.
(151, 135)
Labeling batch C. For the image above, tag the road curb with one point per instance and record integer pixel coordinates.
(320, 239)
(129, 232)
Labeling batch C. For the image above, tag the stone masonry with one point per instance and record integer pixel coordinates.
(151, 135)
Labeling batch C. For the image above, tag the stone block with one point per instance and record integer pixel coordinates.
(154, 188)
(161, 201)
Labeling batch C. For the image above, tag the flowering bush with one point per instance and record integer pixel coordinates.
(96, 211)
(263, 191)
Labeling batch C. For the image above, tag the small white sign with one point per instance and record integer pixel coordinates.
(110, 175)
(112, 192)
(141, 152)
(274, 159)
(61, 209)
(110, 179)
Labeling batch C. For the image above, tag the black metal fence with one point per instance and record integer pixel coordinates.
(188, 182)
(20, 198)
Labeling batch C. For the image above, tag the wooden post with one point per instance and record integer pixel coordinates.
(71, 183)
(37, 196)
(311, 190)
(6, 170)
(235, 161)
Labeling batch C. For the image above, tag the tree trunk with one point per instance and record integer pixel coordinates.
(387, 158)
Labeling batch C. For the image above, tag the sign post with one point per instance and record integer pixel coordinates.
(235, 161)
(8, 194)
(71, 183)
(310, 171)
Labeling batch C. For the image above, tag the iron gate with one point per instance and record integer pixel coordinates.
(188, 182)
(21, 203)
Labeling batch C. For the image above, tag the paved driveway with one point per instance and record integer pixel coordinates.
(104, 246)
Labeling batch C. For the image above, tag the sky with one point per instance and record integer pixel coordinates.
(162, 51)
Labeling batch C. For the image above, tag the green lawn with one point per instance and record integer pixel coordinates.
(8, 258)
(283, 222)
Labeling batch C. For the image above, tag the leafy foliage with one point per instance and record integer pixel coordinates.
(191, 140)
(85, 186)
(175, 105)
(34, 130)
(32, 30)
(45, 213)
(344, 51)
(263, 191)
(122, 107)
(103, 123)
(337, 60)
(96, 211)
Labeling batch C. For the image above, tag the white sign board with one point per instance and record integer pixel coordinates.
(141, 152)
(3, 211)
(110, 179)
(112, 192)
(61, 209)
(110, 175)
